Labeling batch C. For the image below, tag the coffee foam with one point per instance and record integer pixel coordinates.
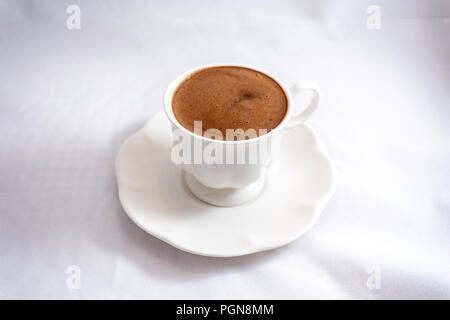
(229, 98)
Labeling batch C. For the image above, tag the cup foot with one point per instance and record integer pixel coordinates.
(225, 197)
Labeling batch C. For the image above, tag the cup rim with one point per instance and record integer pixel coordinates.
(175, 83)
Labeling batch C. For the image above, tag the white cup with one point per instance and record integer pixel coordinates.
(232, 181)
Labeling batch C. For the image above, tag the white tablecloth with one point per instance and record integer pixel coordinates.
(69, 98)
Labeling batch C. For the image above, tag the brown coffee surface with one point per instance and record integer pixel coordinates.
(229, 98)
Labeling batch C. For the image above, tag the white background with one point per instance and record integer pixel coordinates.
(69, 98)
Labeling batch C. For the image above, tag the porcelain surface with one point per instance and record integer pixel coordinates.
(153, 193)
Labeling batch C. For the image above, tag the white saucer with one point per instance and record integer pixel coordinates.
(153, 194)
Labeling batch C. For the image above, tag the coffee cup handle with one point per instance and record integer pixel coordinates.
(296, 89)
